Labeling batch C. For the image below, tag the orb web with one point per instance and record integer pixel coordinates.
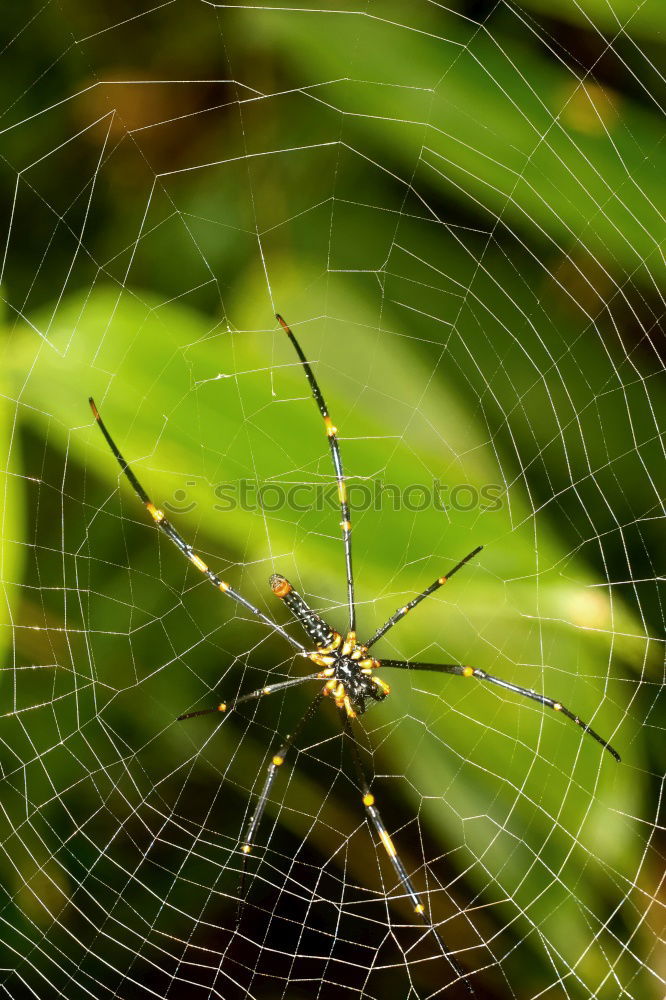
(459, 212)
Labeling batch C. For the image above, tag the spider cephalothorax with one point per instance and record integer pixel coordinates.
(349, 671)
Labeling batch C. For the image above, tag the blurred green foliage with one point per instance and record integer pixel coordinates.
(465, 238)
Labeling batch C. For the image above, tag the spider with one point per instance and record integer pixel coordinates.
(349, 672)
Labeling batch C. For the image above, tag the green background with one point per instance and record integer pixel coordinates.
(459, 211)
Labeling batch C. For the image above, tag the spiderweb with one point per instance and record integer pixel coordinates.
(458, 210)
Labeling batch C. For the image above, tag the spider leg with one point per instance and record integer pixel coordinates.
(481, 675)
(331, 433)
(374, 816)
(229, 706)
(401, 612)
(247, 837)
(164, 525)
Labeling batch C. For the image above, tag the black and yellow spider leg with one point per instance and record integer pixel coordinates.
(374, 816)
(164, 525)
(401, 612)
(247, 838)
(331, 433)
(481, 675)
(249, 832)
(229, 706)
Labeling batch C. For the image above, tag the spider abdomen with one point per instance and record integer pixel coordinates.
(317, 629)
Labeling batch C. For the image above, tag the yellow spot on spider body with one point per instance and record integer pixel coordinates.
(348, 707)
(199, 563)
(368, 800)
(419, 908)
(388, 843)
(277, 760)
(330, 427)
(246, 848)
(468, 671)
(557, 706)
(350, 642)
(327, 673)
(157, 515)
(222, 707)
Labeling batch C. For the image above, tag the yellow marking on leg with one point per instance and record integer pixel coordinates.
(345, 525)
(468, 671)
(330, 428)
(157, 515)
(277, 760)
(348, 706)
(557, 706)
(199, 563)
(368, 664)
(378, 682)
(419, 908)
(224, 586)
(222, 707)
(246, 848)
(368, 800)
(350, 642)
(342, 493)
(442, 580)
(329, 688)
(388, 843)
(321, 661)
(340, 694)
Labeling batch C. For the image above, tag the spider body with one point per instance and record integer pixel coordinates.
(354, 686)
(347, 670)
